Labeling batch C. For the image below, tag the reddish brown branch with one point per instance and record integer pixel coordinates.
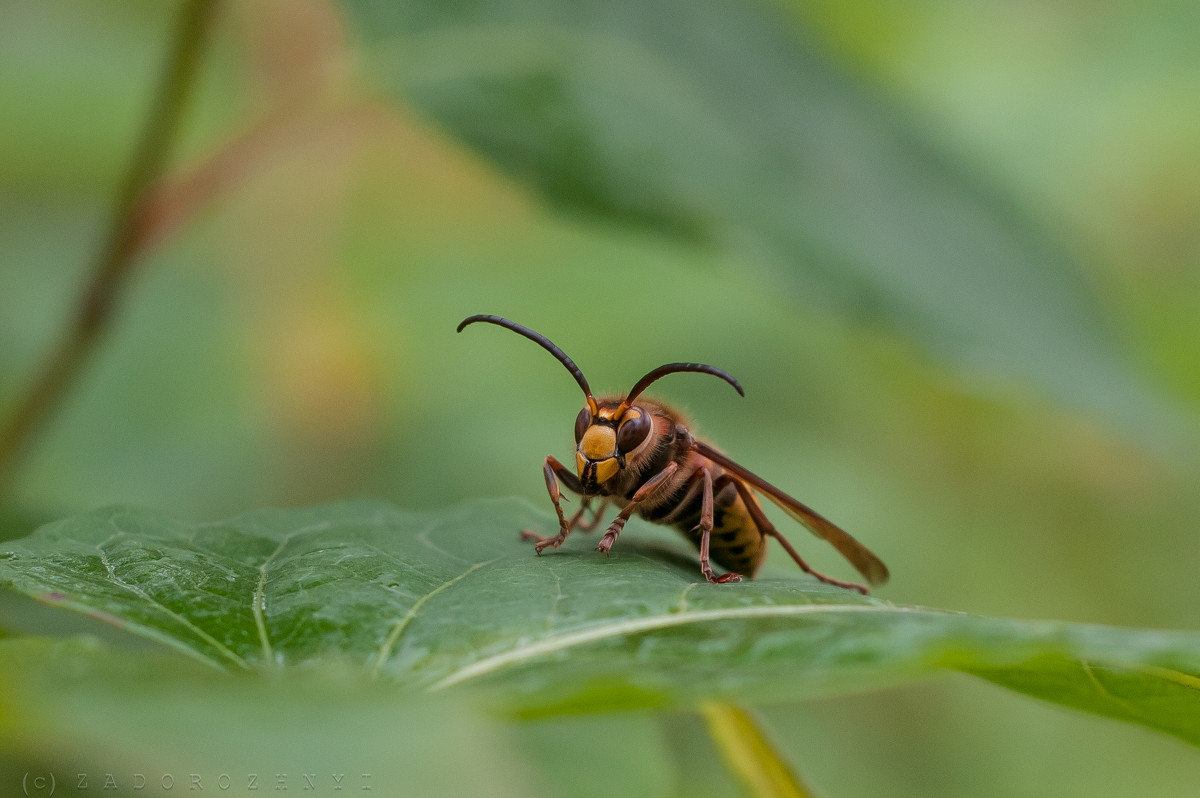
(126, 238)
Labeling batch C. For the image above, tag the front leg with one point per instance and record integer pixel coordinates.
(574, 522)
(555, 471)
(648, 487)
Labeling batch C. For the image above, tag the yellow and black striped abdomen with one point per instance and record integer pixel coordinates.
(735, 543)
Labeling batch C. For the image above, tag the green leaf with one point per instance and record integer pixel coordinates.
(80, 707)
(725, 122)
(440, 601)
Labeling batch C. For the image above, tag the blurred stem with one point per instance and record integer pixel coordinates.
(749, 754)
(122, 244)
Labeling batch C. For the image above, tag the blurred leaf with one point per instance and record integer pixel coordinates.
(436, 600)
(74, 706)
(723, 121)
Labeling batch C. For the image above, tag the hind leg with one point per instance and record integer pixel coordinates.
(767, 528)
(705, 527)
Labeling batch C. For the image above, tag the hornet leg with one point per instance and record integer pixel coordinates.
(588, 526)
(767, 528)
(574, 522)
(705, 526)
(648, 487)
(555, 471)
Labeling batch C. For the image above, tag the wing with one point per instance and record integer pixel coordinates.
(859, 555)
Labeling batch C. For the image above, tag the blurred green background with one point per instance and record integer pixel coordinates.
(950, 250)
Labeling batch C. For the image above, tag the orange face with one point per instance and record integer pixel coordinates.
(604, 438)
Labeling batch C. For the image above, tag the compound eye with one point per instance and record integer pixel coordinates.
(582, 422)
(633, 430)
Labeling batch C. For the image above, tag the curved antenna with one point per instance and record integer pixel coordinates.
(672, 368)
(545, 343)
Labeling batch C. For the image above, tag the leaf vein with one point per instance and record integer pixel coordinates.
(630, 626)
(423, 536)
(259, 599)
(137, 591)
(402, 623)
(1171, 675)
(1104, 691)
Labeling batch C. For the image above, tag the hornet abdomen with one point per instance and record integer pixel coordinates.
(735, 543)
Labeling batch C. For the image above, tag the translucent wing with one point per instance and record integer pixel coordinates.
(859, 555)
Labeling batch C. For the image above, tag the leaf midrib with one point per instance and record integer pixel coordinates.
(629, 626)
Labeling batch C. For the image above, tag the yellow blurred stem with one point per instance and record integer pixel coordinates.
(749, 754)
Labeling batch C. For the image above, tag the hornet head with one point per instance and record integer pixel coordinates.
(607, 431)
